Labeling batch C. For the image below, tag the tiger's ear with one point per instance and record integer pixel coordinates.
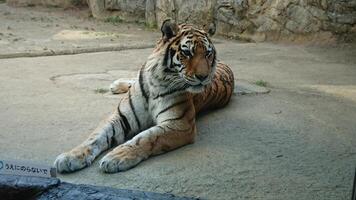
(210, 29)
(169, 29)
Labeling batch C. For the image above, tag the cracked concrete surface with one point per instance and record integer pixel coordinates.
(296, 142)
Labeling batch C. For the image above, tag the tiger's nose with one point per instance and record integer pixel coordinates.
(201, 77)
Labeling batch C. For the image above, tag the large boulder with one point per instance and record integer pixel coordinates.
(126, 10)
(199, 12)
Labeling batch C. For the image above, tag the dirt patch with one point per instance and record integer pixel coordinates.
(35, 31)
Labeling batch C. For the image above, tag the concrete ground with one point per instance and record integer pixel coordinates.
(297, 142)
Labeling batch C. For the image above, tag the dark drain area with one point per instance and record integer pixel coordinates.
(14, 187)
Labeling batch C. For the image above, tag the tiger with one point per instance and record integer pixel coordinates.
(157, 112)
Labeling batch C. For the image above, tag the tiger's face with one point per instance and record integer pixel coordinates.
(190, 55)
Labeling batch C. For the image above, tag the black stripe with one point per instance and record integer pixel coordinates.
(168, 70)
(126, 124)
(180, 117)
(153, 143)
(169, 92)
(123, 122)
(177, 39)
(184, 130)
(108, 140)
(232, 78)
(214, 63)
(199, 32)
(140, 80)
(151, 83)
(94, 142)
(223, 77)
(181, 69)
(225, 69)
(133, 110)
(138, 141)
(171, 106)
(113, 130)
(166, 56)
(231, 92)
(225, 92)
(216, 85)
(123, 127)
(153, 68)
(176, 65)
(215, 96)
(172, 52)
(158, 126)
(228, 72)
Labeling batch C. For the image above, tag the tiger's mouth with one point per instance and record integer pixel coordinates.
(196, 88)
(196, 82)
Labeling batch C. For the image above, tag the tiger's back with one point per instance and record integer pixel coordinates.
(219, 92)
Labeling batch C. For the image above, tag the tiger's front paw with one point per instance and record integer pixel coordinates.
(70, 162)
(121, 158)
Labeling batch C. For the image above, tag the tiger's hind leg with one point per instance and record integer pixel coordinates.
(121, 86)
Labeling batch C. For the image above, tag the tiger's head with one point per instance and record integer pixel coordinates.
(188, 55)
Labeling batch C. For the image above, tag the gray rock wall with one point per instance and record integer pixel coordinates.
(256, 20)
(324, 21)
(319, 20)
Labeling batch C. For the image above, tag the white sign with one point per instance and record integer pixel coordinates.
(26, 169)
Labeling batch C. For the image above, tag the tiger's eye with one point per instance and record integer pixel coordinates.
(186, 53)
(209, 52)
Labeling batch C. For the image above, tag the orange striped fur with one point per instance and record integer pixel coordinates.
(157, 113)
